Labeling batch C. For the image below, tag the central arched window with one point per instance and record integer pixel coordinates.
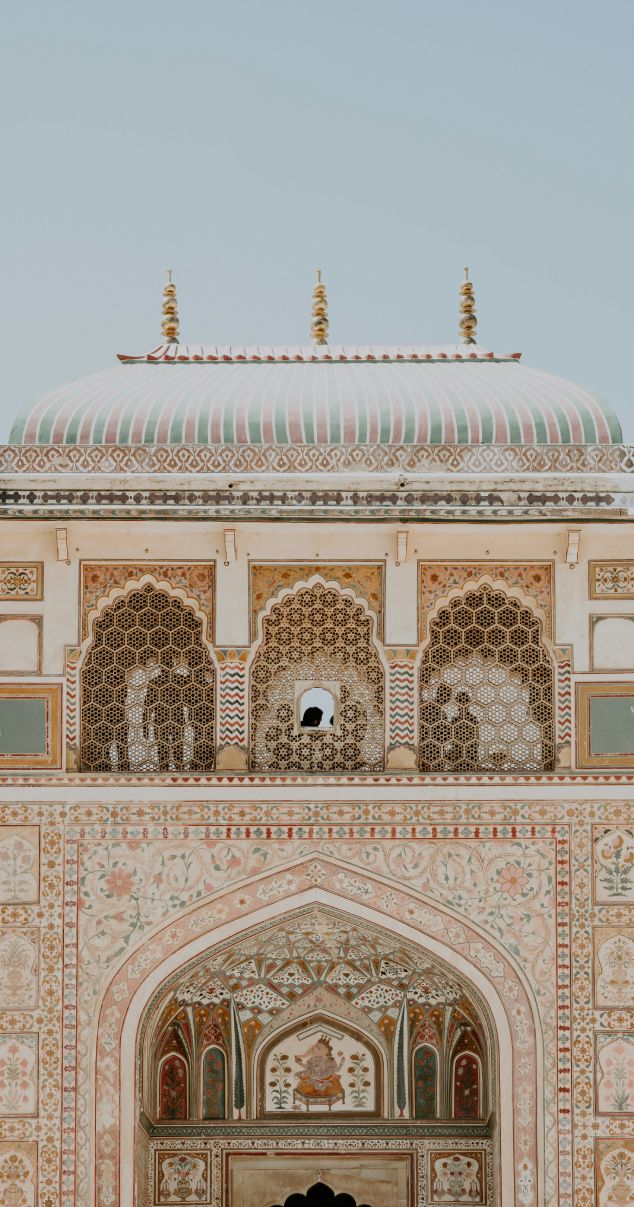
(317, 686)
(147, 688)
(486, 688)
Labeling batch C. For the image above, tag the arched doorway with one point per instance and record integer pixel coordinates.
(314, 1015)
(320, 1195)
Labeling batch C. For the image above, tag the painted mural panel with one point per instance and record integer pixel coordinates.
(18, 968)
(173, 1088)
(613, 966)
(18, 1173)
(466, 1087)
(18, 1073)
(19, 865)
(425, 1083)
(615, 1173)
(614, 1059)
(456, 1177)
(614, 865)
(182, 1177)
(320, 1068)
(213, 1086)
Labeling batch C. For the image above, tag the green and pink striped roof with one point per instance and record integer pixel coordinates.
(318, 395)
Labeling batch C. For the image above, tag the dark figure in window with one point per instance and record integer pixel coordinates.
(163, 708)
(312, 717)
(437, 730)
(465, 736)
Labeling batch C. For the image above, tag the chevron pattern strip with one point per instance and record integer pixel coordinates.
(72, 696)
(402, 710)
(564, 701)
(232, 722)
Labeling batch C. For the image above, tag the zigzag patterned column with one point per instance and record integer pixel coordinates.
(232, 710)
(401, 710)
(563, 738)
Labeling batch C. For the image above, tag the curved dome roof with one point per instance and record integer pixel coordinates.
(186, 394)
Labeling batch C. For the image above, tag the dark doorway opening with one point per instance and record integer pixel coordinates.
(320, 1195)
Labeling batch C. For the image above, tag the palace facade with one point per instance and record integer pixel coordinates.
(317, 738)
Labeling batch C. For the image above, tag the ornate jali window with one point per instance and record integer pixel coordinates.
(486, 688)
(147, 688)
(317, 635)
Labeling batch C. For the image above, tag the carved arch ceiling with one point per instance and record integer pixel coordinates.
(315, 963)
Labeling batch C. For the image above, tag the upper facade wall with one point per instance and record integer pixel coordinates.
(45, 613)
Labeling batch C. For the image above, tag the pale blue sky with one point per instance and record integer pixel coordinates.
(245, 143)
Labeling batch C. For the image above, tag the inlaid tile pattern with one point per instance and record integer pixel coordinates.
(98, 578)
(269, 578)
(611, 580)
(438, 578)
(21, 580)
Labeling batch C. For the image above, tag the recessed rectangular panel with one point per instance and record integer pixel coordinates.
(612, 643)
(20, 645)
(30, 725)
(605, 724)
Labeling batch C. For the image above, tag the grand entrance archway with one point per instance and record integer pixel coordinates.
(316, 1035)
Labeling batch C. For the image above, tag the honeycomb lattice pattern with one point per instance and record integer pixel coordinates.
(487, 688)
(147, 688)
(317, 634)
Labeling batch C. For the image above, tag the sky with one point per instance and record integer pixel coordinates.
(246, 143)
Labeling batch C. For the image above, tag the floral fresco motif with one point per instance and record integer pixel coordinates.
(19, 864)
(615, 1173)
(18, 1074)
(195, 578)
(182, 1177)
(614, 1072)
(18, 968)
(614, 966)
(21, 581)
(614, 865)
(437, 578)
(269, 578)
(456, 1177)
(611, 580)
(18, 1173)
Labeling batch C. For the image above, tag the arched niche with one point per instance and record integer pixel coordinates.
(486, 685)
(213, 1083)
(318, 1066)
(425, 1078)
(318, 646)
(147, 675)
(315, 991)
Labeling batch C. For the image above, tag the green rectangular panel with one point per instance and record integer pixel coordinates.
(23, 725)
(612, 724)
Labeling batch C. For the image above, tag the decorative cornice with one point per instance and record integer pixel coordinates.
(275, 501)
(315, 458)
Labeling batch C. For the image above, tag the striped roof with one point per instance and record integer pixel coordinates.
(186, 394)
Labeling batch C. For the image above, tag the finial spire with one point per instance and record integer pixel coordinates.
(169, 326)
(319, 325)
(468, 318)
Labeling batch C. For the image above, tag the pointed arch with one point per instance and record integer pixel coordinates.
(425, 1082)
(172, 1102)
(426, 922)
(317, 635)
(147, 682)
(486, 679)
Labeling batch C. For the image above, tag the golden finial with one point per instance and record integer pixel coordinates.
(468, 319)
(169, 326)
(319, 325)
